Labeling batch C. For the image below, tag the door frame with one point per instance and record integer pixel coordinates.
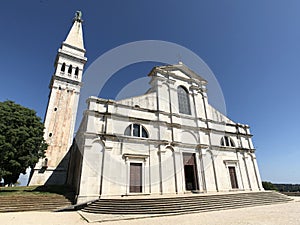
(195, 170)
(235, 164)
(132, 158)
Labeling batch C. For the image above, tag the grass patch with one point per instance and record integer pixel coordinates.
(35, 190)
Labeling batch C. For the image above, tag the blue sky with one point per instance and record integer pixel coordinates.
(253, 48)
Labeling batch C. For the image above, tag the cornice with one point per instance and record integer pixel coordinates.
(66, 80)
(72, 56)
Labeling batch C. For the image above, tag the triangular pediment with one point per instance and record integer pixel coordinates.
(181, 74)
(179, 71)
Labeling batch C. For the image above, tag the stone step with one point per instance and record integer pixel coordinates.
(17, 199)
(173, 206)
(33, 203)
(178, 201)
(179, 211)
(50, 208)
(3, 207)
(32, 206)
(53, 201)
(184, 204)
(220, 196)
(33, 199)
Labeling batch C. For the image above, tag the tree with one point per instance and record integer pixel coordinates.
(269, 186)
(21, 140)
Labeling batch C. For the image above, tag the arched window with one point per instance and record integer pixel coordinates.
(227, 141)
(183, 100)
(76, 72)
(70, 69)
(136, 130)
(63, 67)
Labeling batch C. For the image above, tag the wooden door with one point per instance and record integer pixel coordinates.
(233, 178)
(135, 178)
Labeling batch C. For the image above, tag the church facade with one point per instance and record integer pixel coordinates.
(168, 141)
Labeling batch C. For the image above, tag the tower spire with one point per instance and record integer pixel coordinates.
(75, 36)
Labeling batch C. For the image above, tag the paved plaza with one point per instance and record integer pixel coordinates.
(278, 214)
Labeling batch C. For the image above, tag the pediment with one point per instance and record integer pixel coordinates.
(181, 74)
(179, 71)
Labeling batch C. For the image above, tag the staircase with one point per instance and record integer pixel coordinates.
(33, 203)
(179, 205)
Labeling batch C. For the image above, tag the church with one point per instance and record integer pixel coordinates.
(168, 141)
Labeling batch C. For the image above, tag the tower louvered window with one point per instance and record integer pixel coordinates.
(76, 72)
(63, 67)
(70, 69)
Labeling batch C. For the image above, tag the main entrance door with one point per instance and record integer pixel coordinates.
(232, 175)
(135, 177)
(190, 171)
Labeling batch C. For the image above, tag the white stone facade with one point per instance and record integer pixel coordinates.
(156, 144)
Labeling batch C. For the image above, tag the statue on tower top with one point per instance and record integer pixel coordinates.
(78, 16)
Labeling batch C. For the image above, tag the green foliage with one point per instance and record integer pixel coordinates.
(288, 187)
(269, 186)
(21, 140)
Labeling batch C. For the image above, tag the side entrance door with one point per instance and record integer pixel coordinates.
(190, 171)
(135, 178)
(233, 178)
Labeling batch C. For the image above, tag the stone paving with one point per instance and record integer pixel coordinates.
(278, 214)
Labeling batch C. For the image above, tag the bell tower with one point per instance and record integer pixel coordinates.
(62, 108)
